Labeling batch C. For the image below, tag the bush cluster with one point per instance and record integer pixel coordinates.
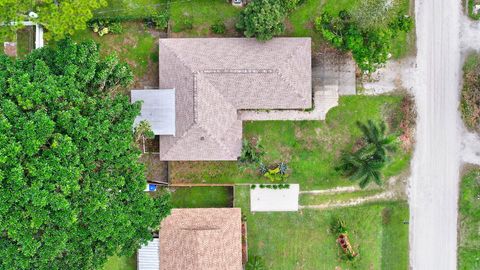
(218, 27)
(274, 186)
(103, 26)
(159, 20)
(370, 47)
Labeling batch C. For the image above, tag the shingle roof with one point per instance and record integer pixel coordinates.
(216, 77)
(199, 239)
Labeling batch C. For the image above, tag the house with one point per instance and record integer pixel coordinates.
(196, 239)
(212, 79)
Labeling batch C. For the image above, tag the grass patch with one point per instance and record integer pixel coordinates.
(469, 103)
(202, 197)
(469, 220)
(130, 9)
(121, 263)
(311, 148)
(315, 199)
(136, 46)
(302, 240)
(202, 13)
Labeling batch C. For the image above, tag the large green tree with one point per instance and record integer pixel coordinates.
(71, 185)
(59, 17)
(262, 19)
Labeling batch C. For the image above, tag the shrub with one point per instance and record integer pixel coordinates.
(116, 28)
(253, 186)
(159, 20)
(268, 186)
(251, 152)
(274, 186)
(255, 263)
(290, 5)
(262, 185)
(262, 19)
(218, 27)
(103, 27)
(187, 22)
(338, 226)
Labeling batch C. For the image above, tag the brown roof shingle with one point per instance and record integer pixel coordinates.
(216, 77)
(201, 238)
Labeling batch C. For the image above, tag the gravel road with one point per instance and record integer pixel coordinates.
(433, 188)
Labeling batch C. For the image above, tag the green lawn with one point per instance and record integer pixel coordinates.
(302, 240)
(469, 237)
(301, 20)
(121, 263)
(202, 197)
(203, 14)
(136, 45)
(130, 8)
(311, 148)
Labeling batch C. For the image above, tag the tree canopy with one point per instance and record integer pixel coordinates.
(59, 17)
(71, 185)
(262, 19)
(367, 32)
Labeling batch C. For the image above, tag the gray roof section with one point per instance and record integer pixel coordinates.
(158, 108)
(148, 257)
(216, 77)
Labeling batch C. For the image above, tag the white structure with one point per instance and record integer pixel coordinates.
(148, 257)
(274, 200)
(158, 109)
(38, 33)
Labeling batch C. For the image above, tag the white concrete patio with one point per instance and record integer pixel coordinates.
(274, 200)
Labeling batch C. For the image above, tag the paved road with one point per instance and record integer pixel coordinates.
(435, 169)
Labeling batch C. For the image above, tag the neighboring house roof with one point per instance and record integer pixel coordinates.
(158, 108)
(201, 238)
(216, 77)
(147, 256)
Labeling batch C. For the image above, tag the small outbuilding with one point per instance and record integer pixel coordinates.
(158, 108)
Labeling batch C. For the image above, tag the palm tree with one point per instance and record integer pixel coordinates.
(363, 165)
(375, 134)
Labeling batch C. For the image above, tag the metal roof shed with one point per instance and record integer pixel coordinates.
(158, 108)
(148, 256)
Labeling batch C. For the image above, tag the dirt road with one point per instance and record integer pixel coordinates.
(433, 189)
